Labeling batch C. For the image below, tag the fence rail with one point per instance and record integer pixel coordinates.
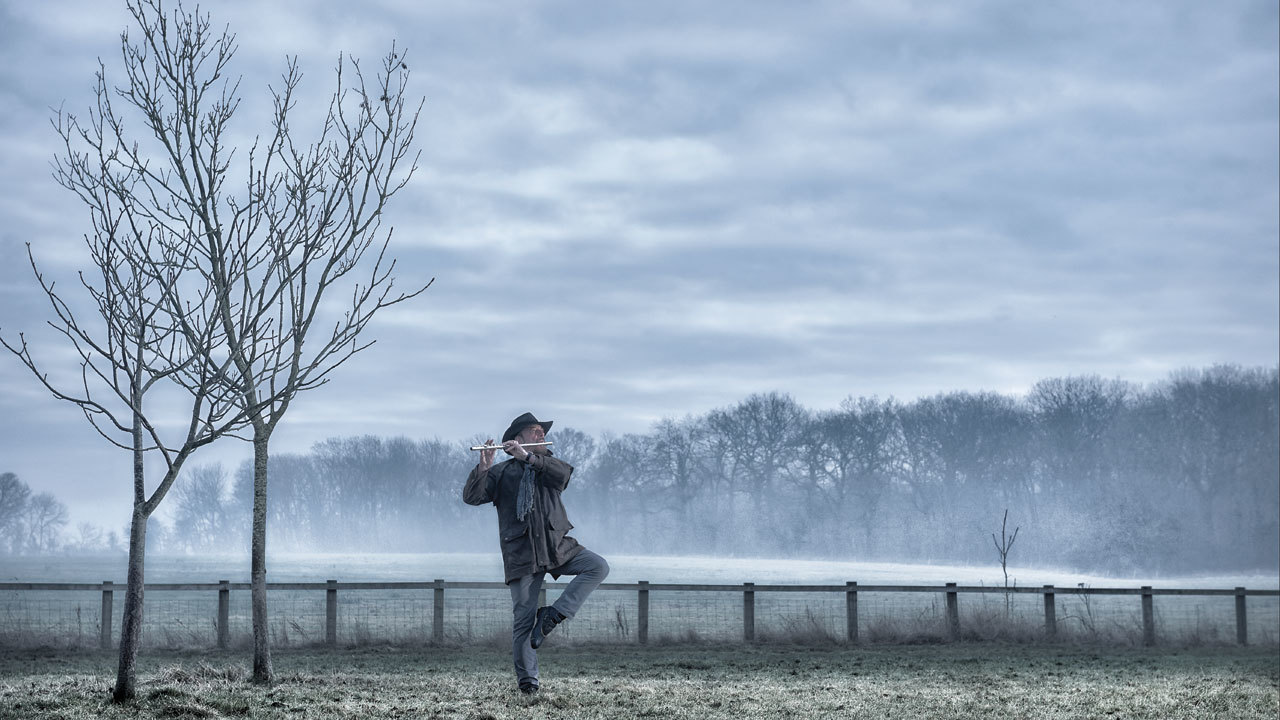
(851, 591)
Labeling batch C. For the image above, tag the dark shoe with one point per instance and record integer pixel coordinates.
(528, 689)
(546, 620)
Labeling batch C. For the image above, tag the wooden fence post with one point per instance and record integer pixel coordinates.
(748, 612)
(331, 614)
(437, 616)
(1242, 620)
(642, 621)
(851, 611)
(953, 612)
(224, 612)
(1050, 614)
(1148, 617)
(105, 641)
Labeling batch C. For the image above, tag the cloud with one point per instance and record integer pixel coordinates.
(636, 211)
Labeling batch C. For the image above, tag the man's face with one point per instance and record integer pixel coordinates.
(531, 434)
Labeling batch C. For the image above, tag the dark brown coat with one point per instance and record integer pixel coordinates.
(539, 542)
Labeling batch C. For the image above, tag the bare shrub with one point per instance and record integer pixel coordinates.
(806, 628)
(620, 622)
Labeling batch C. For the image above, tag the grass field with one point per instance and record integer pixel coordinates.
(969, 680)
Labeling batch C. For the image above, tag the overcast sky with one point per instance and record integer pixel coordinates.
(646, 210)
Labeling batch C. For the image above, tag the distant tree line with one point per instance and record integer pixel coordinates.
(1180, 476)
(37, 525)
(30, 524)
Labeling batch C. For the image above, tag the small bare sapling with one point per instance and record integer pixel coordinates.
(1003, 545)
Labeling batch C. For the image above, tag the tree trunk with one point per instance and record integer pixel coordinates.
(262, 672)
(131, 626)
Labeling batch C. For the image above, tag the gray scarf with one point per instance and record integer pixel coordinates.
(524, 500)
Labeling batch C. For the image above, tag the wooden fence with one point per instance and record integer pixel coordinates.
(642, 589)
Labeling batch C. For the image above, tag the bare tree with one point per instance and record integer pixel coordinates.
(159, 536)
(617, 486)
(153, 333)
(201, 518)
(855, 452)
(765, 434)
(136, 351)
(673, 459)
(1075, 417)
(1003, 546)
(305, 508)
(89, 538)
(306, 227)
(43, 521)
(13, 501)
(309, 226)
(574, 447)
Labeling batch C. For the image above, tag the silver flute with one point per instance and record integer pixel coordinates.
(499, 447)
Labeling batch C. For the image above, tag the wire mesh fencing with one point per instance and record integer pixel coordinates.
(439, 612)
(50, 618)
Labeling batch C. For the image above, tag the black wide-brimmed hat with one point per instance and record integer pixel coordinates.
(523, 422)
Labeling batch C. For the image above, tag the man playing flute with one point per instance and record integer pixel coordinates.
(532, 527)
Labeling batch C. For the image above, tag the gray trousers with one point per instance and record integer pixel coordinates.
(589, 570)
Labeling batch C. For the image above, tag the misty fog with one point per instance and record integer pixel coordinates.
(1099, 475)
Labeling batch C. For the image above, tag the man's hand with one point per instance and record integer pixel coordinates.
(512, 448)
(486, 457)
